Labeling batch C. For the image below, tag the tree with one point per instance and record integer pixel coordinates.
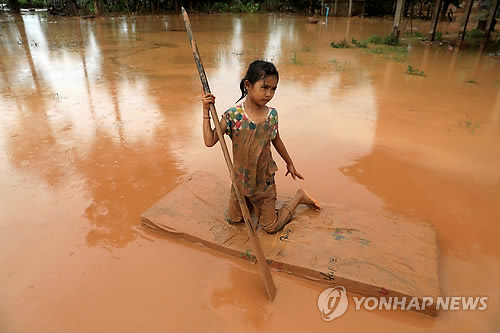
(14, 6)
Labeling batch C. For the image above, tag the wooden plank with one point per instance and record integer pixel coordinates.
(370, 254)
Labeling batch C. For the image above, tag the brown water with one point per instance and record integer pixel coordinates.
(99, 118)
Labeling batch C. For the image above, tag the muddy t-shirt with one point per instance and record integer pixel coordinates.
(253, 163)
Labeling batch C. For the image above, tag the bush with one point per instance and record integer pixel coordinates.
(340, 45)
(475, 33)
(220, 7)
(390, 40)
(360, 44)
(375, 39)
(239, 7)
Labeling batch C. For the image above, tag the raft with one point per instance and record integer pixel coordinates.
(369, 254)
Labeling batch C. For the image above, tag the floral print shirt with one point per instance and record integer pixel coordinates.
(252, 160)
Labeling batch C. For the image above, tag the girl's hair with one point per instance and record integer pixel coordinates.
(258, 70)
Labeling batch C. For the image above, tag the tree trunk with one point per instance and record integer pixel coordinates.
(446, 4)
(14, 6)
(97, 8)
(71, 8)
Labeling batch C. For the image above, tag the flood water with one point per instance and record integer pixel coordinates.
(100, 118)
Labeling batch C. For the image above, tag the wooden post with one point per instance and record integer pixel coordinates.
(397, 17)
(256, 247)
(322, 7)
(465, 19)
(335, 9)
(435, 19)
(350, 9)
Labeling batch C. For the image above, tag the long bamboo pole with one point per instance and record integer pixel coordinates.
(256, 247)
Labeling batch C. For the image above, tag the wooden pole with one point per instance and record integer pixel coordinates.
(397, 17)
(435, 19)
(335, 8)
(465, 19)
(256, 247)
(350, 9)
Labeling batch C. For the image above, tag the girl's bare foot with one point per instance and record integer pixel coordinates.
(308, 200)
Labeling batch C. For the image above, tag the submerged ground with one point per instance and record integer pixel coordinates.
(99, 118)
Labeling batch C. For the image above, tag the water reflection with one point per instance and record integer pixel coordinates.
(81, 118)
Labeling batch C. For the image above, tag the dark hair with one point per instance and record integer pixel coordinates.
(258, 70)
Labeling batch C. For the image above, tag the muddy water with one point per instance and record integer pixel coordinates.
(99, 118)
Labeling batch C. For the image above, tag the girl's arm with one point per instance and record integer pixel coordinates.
(210, 136)
(280, 148)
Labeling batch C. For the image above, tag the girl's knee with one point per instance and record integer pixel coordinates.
(271, 228)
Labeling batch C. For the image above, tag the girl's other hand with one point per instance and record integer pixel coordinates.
(207, 99)
(291, 170)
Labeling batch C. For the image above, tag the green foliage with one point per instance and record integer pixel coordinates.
(390, 40)
(415, 34)
(474, 34)
(220, 7)
(471, 81)
(414, 71)
(374, 39)
(360, 44)
(340, 45)
(386, 40)
(379, 7)
(238, 6)
(438, 36)
(32, 4)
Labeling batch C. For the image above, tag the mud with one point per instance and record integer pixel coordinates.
(100, 117)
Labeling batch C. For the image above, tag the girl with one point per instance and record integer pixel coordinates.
(252, 126)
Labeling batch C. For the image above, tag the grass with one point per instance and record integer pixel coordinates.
(414, 71)
(416, 34)
(307, 49)
(438, 36)
(333, 61)
(474, 34)
(390, 46)
(471, 81)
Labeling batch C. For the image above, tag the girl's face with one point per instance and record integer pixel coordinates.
(262, 91)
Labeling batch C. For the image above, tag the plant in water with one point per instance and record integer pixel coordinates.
(417, 35)
(360, 44)
(375, 39)
(475, 33)
(471, 125)
(414, 71)
(295, 61)
(390, 40)
(340, 45)
(332, 61)
(471, 81)
(438, 36)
